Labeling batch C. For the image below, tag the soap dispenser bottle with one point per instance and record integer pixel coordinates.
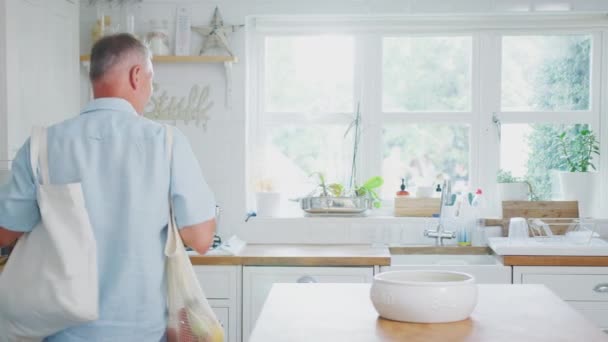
(403, 192)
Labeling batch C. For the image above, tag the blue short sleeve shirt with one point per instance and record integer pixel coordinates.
(121, 160)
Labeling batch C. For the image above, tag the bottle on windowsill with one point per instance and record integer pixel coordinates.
(403, 192)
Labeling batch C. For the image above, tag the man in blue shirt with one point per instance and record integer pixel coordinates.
(121, 160)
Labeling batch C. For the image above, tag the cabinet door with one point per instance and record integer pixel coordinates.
(222, 286)
(584, 288)
(258, 280)
(41, 78)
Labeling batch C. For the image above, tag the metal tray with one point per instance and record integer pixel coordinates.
(335, 205)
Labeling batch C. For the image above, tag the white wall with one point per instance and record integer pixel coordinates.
(3, 112)
(221, 149)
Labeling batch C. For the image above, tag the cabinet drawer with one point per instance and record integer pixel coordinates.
(578, 287)
(216, 281)
(596, 312)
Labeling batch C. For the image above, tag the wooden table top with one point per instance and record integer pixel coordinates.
(344, 312)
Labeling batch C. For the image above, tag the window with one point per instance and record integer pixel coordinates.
(424, 154)
(309, 74)
(426, 74)
(548, 79)
(431, 76)
(546, 73)
(308, 101)
(457, 101)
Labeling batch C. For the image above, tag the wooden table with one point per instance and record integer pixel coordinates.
(344, 312)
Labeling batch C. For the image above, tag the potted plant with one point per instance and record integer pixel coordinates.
(578, 181)
(511, 188)
(335, 198)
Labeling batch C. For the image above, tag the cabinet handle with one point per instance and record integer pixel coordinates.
(306, 279)
(601, 288)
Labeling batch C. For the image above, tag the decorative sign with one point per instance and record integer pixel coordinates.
(194, 107)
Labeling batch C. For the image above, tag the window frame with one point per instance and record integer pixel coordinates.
(486, 83)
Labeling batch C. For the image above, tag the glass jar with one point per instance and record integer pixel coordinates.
(157, 38)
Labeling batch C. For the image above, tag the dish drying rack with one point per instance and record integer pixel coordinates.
(560, 230)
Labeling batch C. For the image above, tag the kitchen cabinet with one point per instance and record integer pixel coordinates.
(584, 288)
(258, 280)
(222, 286)
(39, 71)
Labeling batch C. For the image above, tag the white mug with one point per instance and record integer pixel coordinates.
(518, 230)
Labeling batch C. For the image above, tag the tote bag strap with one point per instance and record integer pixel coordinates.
(174, 243)
(39, 158)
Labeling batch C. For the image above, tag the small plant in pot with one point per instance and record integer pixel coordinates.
(578, 182)
(578, 149)
(338, 192)
(336, 198)
(511, 188)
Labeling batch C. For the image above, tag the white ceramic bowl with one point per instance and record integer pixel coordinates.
(424, 296)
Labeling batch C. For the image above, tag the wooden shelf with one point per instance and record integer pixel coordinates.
(182, 59)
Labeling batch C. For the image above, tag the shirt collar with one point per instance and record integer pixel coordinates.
(109, 103)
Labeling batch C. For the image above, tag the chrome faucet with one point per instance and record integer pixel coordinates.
(439, 233)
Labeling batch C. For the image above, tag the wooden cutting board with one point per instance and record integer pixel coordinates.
(416, 207)
(527, 209)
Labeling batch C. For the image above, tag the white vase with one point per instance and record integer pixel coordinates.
(519, 191)
(581, 187)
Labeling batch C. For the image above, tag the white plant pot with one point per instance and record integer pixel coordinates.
(268, 204)
(519, 191)
(581, 187)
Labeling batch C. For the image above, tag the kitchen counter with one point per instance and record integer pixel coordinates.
(341, 312)
(296, 255)
(301, 255)
(554, 260)
(534, 253)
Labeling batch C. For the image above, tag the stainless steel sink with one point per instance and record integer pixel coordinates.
(487, 268)
(444, 259)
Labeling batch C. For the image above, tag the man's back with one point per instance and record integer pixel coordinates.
(121, 160)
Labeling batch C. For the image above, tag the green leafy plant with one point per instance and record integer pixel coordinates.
(338, 190)
(507, 177)
(578, 149)
(324, 189)
(369, 189)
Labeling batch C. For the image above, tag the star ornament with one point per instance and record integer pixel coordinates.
(216, 34)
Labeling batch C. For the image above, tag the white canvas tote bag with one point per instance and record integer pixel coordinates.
(50, 280)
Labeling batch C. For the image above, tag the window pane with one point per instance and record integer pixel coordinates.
(309, 74)
(426, 73)
(532, 152)
(292, 154)
(424, 154)
(547, 73)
